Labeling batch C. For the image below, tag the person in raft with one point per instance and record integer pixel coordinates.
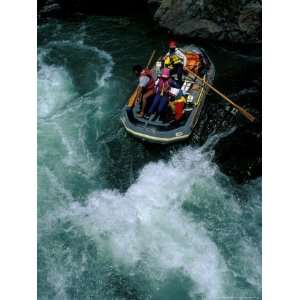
(177, 106)
(146, 86)
(163, 86)
(175, 60)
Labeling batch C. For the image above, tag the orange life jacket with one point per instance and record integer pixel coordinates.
(179, 108)
(151, 83)
(193, 61)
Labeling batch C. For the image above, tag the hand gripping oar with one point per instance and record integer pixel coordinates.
(240, 109)
(133, 97)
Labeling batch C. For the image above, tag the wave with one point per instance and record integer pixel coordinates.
(55, 85)
(64, 114)
(101, 54)
(147, 224)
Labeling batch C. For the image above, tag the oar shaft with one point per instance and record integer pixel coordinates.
(242, 110)
(150, 59)
(239, 108)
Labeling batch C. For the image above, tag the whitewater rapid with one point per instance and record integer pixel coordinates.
(147, 225)
(147, 228)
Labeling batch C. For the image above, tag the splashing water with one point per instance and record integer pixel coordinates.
(55, 87)
(147, 224)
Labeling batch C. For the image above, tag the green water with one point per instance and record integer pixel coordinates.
(118, 219)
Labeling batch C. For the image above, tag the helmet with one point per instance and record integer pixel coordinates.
(165, 73)
(172, 44)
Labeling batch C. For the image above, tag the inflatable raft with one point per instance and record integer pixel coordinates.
(155, 130)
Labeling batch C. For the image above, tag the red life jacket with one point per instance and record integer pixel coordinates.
(164, 86)
(179, 108)
(151, 83)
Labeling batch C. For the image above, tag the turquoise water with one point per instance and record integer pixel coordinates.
(118, 219)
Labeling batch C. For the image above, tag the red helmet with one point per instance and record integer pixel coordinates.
(172, 44)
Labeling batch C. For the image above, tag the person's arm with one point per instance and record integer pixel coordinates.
(164, 57)
(143, 81)
(168, 88)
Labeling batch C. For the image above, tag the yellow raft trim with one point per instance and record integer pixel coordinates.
(201, 93)
(145, 136)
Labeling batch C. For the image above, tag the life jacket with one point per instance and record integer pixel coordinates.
(179, 107)
(151, 83)
(163, 86)
(194, 61)
(171, 60)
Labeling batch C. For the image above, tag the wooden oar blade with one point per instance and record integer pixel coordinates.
(247, 115)
(132, 98)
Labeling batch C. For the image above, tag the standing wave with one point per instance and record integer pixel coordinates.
(148, 226)
(55, 85)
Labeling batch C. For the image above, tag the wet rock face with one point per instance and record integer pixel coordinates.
(239, 154)
(231, 20)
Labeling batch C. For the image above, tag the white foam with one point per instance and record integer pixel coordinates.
(60, 109)
(55, 87)
(147, 224)
(77, 154)
(58, 185)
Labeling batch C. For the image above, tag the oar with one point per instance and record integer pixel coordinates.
(134, 95)
(240, 109)
(150, 59)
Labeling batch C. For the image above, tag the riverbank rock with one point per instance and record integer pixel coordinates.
(231, 21)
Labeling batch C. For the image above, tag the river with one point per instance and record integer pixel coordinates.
(118, 219)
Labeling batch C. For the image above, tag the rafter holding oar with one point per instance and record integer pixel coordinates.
(135, 95)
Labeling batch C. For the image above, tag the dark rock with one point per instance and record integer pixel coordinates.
(250, 20)
(234, 21)
(239, 154)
